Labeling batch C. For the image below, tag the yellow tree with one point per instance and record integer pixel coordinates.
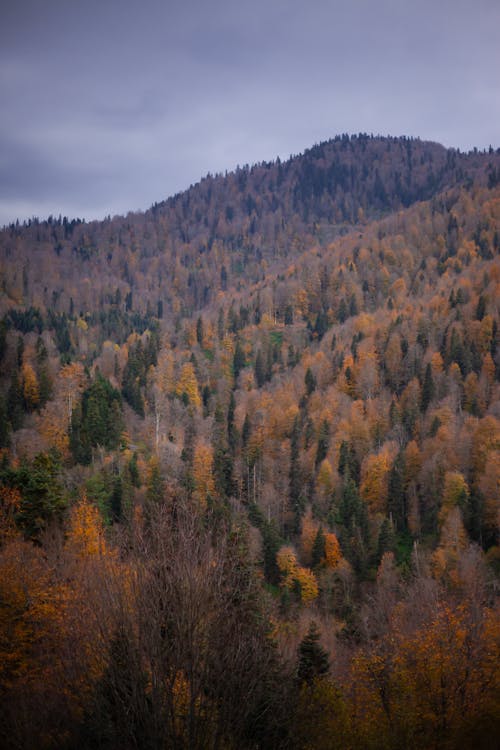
(375, 479)
(31, 389)
(187, 385)
(203, 477)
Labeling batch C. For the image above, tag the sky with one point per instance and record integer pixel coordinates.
(108, 106)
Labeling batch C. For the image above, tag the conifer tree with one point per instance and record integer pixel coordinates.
(319, 548)
(428, 388)
(313, 659)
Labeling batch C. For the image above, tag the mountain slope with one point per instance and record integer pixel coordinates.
(271, 399)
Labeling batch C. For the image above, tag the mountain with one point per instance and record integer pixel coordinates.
(271, 398)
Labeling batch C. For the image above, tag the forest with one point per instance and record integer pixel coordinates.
(250, 461)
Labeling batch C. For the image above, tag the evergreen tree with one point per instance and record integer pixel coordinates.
(318, 550)
(15, 401)
(199, 331)
(348, 465)
(42, 493)
(155, 486)
(96, 421)
(239, 360)
(385, 539)
(134, 471)
(116, 499)
(4, 424)
(232, 432)
(313, 660)
(323, 442)
(246, 430)
(396, 495)
(428, 388)
(310, 382)
(260, 369)
(481, 307)
(342, 311)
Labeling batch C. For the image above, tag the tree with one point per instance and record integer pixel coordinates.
(188, 385)
(199, 331)
(260, 369)
(31, 388)
(239, 359)
(297, 503)
(310, 382)
(42, 493)
(428, 388)
(313, 659)
(318, 550)
(323, 443)
(396, 492)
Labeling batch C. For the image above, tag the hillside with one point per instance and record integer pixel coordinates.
(269, 400)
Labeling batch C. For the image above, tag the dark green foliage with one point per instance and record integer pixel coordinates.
(386, 539)
(239, 360)
(97, 421)
(155, 486)
(4, 424)
(260, 369)
(310, 382)
(223, 470)
(41, 491)
(232, 432)
(116, 500)
(313, 659)
(481, 307)
(199, 331)
(428, 388)
(353, 305)
(20, 350)
(134, 471)
(3, 339)
(348, 465)
(320, 326)
(271, 542)
(61, 329)
(15, 403)
(245, 431)
(354, 534)
(318, 550)
(396, 496)
(44, 386)
(323, 442)
(140, 359)
(288, 318)
(25, 321)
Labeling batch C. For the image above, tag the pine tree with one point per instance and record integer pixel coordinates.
(385, 539)
(323, 442)
(310, 381)
(396, 493)
(313, 659)
(428, 388)
(239, 360)
(319, 548)
(260, 369)
(199, 331)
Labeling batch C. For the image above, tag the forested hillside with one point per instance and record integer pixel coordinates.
(250, 461)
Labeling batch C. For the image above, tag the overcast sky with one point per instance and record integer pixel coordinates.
(108, 106)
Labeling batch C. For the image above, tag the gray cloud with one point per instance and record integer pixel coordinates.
(110, 106)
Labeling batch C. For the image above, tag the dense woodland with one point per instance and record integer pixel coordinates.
(250, 461)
